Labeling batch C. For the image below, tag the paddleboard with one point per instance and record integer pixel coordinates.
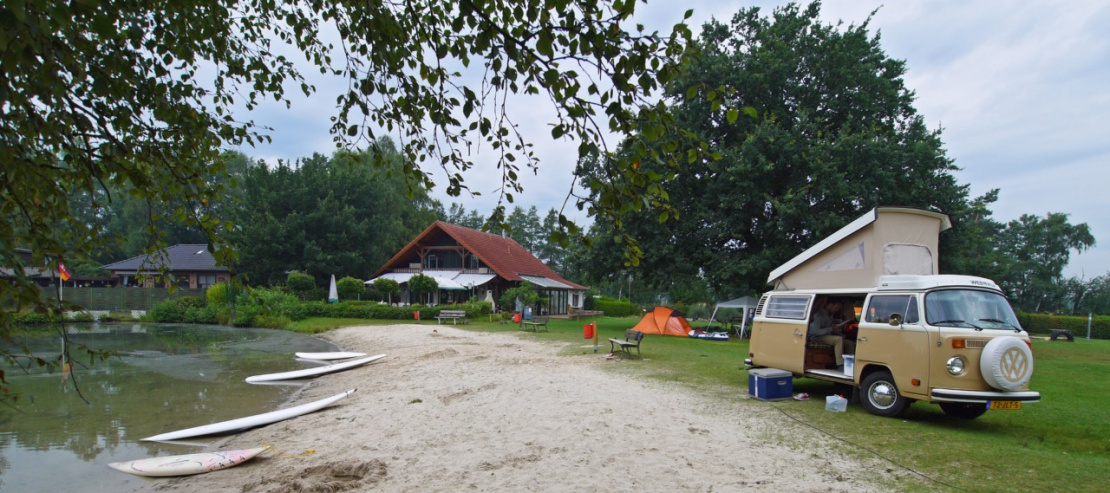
(312, 372)
(330, 356)
(184, 465)
(249, 421)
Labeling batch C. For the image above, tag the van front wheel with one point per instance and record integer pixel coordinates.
(880, 396)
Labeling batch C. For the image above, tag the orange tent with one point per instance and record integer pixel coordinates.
(664, 321)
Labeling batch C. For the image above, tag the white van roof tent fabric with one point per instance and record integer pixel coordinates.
(884, 241)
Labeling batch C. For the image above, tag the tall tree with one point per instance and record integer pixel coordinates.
(972, 246)
(551, 252)
(1041, 249)
(458, 215)
(524, 227)
(141, 96)
(323, 216)
(814, 126)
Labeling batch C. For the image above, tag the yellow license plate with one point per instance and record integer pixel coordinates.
(1007, 405)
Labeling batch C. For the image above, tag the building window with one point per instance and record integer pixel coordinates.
(204, 281)
(431, 261)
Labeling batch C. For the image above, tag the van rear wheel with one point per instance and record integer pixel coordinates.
(880, 396)
(963, 409)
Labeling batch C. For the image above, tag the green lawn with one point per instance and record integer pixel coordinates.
(1059, 444)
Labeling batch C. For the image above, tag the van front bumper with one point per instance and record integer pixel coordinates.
(953, 395)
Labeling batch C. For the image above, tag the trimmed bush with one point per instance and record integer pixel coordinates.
(616, 308)
(350, 289)
(301, 284)
(1044, 324)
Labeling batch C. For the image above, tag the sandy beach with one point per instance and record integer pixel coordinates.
(452, 410)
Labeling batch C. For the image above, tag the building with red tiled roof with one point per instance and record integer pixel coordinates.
(466, 262)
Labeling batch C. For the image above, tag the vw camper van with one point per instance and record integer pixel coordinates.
(908, 334)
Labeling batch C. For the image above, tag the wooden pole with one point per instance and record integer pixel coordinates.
(595, 336)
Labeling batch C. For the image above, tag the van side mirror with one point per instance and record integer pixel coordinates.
(895, 319)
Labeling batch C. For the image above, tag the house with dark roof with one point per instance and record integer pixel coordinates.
(190, 265)
(468, 263)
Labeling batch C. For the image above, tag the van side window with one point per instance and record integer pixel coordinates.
(795, 307)
(882, 307)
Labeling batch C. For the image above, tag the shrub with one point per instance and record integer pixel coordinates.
(1044, 324)
(386, 289)
(276, 302)
(245, 316)
(82, 317)
(186, 302)
(218, 294)
(301, 284)
(166, 311)
(350, 288)
(421, 285)
(616, 308)
(33, 318)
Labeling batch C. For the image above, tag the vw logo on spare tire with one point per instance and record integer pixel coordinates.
(1007, 363)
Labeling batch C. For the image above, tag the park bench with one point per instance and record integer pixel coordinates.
(534, 324)
(453, 315)
(631, 340)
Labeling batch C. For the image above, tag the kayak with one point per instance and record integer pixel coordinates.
(184, 465)
(709, 336)
(330, 356)
(249, 421)
(312, 372)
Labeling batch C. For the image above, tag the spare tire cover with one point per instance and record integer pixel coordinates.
(1007, 363)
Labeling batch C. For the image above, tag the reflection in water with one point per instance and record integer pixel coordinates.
(165, 377)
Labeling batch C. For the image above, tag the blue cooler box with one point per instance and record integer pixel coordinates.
(770, 384)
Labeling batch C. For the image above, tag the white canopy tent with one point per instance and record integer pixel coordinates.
(744, 304)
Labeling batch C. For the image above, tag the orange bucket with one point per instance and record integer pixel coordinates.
(516, 317)
(588, 331)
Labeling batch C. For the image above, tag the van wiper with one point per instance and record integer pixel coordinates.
(1003, 322)
(953, 322)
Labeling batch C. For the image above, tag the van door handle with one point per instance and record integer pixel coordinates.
(798, 334)
(861, 339)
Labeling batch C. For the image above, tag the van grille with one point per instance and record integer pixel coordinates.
(759, 306)
(976, 344)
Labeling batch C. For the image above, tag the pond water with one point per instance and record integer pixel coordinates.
(165, 378)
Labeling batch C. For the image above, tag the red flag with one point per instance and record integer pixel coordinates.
(63, 272)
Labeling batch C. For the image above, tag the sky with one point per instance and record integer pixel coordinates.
(1021, 91)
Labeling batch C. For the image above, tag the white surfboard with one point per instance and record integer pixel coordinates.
(249, 421)
(184, 465)
(312, 372)
(330, 356)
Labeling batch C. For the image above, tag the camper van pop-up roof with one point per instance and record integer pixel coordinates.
(885, 241)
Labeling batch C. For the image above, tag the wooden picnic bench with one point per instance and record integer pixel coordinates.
(453, 315)
(534, 324)
(631, 340)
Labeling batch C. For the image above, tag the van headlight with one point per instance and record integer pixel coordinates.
(956, 365)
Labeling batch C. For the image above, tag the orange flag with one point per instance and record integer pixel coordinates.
(63, 272)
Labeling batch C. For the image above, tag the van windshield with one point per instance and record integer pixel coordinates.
(969, 308)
